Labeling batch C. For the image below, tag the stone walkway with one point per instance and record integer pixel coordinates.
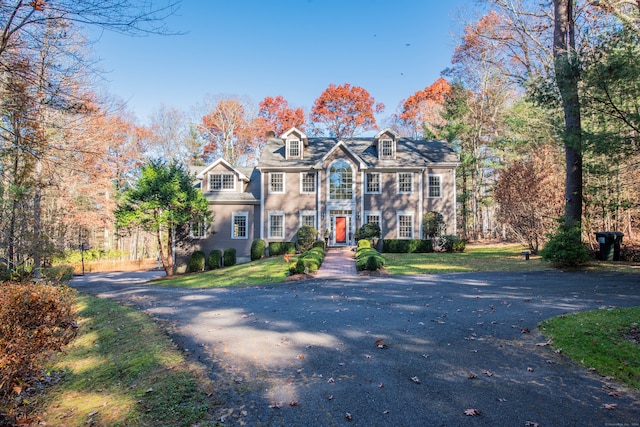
(338, 262)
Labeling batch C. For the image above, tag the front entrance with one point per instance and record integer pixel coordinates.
(341, 230)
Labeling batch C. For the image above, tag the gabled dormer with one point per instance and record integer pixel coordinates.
(386, 144)
(294, 143)
(222, 176)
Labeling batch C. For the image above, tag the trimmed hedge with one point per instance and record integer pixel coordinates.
(399, 246)
(196, 263)
(368, 259)
(229, 257)
(215, 259)
(453, 244)
(308, 262)
(364, 243)
(319, 244)
(257, 249)
(281, 248)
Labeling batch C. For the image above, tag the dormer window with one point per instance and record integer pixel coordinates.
(387, 149)
(293, 149)
(219, 181)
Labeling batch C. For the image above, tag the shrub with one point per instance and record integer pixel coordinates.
(368, 259)
(433, 224)
(35, 319)
(281, 248)
(58, 273)
(257, 249)
(308, 261)
(452, 244)
(229, 257)
(407, 246)
(196, 262)
(319, 244)
(364, 244)
(565, 248)
(215, 259)
(369, 232)
(305, 236)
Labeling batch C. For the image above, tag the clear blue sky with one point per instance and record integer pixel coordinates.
(295, 48)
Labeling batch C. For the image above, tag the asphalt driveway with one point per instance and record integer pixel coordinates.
(391, 350)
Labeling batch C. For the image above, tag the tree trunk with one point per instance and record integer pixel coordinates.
(167, 259)
(567, 79)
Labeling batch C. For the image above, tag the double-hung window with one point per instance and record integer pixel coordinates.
(308, 218)
(405, 225)
(198, 228)
(435, 186)
(386, 149)
(294, 148)
(373, 182)
(276, 225)
(405, 182)
(307, 183)
(222, 181)
(240, 225)
(276, 182)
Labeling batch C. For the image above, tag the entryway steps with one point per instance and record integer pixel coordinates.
(338, 262)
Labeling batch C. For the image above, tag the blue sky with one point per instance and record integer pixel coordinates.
(295, 48)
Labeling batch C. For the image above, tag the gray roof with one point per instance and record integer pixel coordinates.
(410, 153)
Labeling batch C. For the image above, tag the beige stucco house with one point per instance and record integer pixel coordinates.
(329, 184)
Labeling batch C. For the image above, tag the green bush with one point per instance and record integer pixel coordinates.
(229, 257)
(308, 261)
(257, 249)
(58, 273)
(453, 244)
(368, 259)
(403, 246)
(433, 224)
(364, 244)
(565, 248)
(281, 248)
(305, 237)
(196, 262)
(215, 259)
(369, 232)
(319, 244)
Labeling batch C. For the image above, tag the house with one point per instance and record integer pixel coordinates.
(329, 184)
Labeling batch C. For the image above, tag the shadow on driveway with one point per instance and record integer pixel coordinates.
(391, 350)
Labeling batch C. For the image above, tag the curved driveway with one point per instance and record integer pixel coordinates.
(307, 353)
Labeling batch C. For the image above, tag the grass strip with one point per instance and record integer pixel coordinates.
(122, 370)
(604, 340)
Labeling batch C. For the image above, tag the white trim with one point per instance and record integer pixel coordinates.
(226, 164)
(204, 227)
(366, 183)
(314, 214)
(373, 213)
(235, 215)
(222, 175)
(353, 181)
(283, 183)
(315, 189)
(262, 223)
(420, 202)
(398, 182)
(288, 148)
(455, 204)
(361, 164)
(271, 214)
(413, 225)
(429, 186)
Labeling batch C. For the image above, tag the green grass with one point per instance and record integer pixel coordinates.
(503, 257)
(122, 371)
(261, 272)
(596, 340)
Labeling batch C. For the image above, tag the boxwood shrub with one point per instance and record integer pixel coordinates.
(281, 248)
(404, 246)
(308, 261)
(196, 262)
(257, 249)
(229, 257)
(215, 259)
(368, 259)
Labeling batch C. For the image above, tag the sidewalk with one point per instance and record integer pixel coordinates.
(338, 262)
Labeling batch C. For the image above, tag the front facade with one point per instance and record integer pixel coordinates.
(335, 186)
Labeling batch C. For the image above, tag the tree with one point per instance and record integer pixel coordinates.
(276, 115)
(163, 200)
(422, 111)
(344, 110)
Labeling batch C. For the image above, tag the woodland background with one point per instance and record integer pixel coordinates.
(540, 99)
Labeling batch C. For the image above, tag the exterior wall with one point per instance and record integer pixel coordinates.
(446, 205)
(220, 168)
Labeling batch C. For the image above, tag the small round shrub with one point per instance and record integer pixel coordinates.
(300, 267)
(319, 244)
(305, 237)
(215, 259)
(364, 243)
(565, 248)
(372, 263)
(229, 257)
(257, 249)
(196, 263)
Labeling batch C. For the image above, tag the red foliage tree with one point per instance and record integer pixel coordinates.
(345, 109)
(422, 110)
(275, 115)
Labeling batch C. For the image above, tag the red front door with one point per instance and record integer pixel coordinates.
(341, 229)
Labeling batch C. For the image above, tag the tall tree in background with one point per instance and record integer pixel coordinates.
(422, 111)
(278, 117)
(162, 201)
(345, 110)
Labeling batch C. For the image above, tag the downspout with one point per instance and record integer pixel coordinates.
(362, 184)
(318, 214)
(455, 202)
(261, 205)
(420, 201)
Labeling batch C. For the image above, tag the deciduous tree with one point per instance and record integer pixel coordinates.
(277, 116)
(422, 111)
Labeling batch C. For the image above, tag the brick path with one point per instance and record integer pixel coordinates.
(338, 262)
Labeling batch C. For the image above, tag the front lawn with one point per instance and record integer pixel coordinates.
(606, 340)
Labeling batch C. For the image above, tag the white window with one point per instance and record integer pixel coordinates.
(435, 186)
(240, 225)
(405, 182)
(307, 182)
(198, 228)
(405, 225)
(308, 218)
(294, 148)
(341, 181)
(276, 182)
(276, 225)
(222, 181)
(386, 148)
(372, 218)
(372, 182)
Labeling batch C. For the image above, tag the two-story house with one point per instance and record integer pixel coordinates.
(329, 184)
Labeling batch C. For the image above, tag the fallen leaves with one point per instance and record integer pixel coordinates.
(415, 380)
(610, 406)
(471, 412)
